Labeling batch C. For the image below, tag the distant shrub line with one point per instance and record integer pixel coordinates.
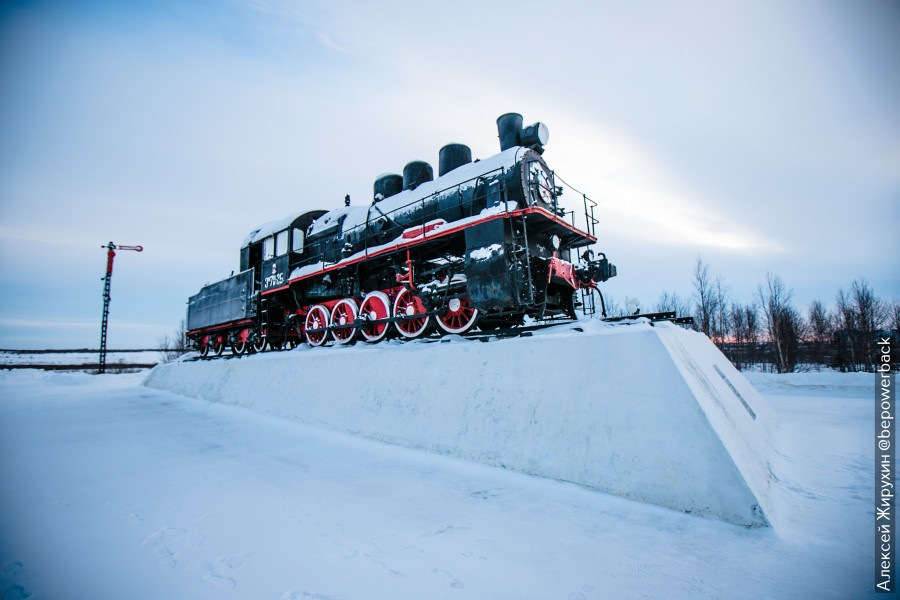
(770, 333)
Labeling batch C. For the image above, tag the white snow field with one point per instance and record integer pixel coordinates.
(112, 489)
(24, 357)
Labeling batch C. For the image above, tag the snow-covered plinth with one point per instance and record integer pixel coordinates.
(652, 413)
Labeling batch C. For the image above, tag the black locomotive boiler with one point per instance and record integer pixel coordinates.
(485, 244)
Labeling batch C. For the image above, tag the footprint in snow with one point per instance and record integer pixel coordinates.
(218, 573)
(453, 581)
(169, 542)
(303, 595)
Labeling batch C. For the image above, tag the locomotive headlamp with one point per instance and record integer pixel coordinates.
(555, 241)
(535, 135)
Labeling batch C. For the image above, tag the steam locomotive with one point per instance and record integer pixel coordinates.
(485, 244)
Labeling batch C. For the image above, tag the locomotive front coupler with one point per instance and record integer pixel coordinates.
(594, 270)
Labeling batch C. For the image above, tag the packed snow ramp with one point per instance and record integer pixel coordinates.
(653, 413)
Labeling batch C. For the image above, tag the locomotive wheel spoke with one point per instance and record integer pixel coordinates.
(239, 348)
(259, 345)
(218, 346)
(204, 348)
(375, 306)
(344, 313)
(411, 310)
(318, 318)
(458, 316)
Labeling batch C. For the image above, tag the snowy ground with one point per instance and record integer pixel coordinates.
(114, 490)
(77, 358)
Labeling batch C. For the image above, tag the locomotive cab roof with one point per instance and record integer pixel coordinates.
(300, 220)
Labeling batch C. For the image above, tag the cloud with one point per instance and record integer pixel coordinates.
(716, 129)
(642, 197)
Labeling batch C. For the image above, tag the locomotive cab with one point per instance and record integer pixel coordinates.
(273, 246)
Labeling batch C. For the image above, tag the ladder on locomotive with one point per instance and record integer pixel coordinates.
(588, 303)
(520, 249)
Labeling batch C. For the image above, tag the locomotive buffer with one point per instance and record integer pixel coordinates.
(107, 279)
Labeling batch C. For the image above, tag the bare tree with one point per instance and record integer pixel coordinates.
(721, 316)
(893, 320)
(820, 324)
(744, 323)
(844, 333)
(772, 331)
(704, 297)
(739, 354)
(894, 316)
(674, 303)
(752, 331)
(871, 316)
(820, 331)
(783, 323)
(171, 347)
(613, 307)
(860, 315)
(618, 308)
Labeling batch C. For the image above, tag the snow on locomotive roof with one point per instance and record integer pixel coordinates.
(356, 215)
(332, 217)
(271, 227)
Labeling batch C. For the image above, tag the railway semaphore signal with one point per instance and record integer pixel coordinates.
(110, 257)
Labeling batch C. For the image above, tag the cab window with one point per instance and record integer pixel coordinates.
(281, 243)
(268, 248)
(297, 245)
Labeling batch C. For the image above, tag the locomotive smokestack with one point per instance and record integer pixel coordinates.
(452, 156)
(416, 173)
(509, 127)
(387, 185)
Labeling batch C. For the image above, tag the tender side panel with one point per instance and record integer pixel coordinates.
(221, 302)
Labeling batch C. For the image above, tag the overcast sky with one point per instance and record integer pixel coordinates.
(761, 136)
